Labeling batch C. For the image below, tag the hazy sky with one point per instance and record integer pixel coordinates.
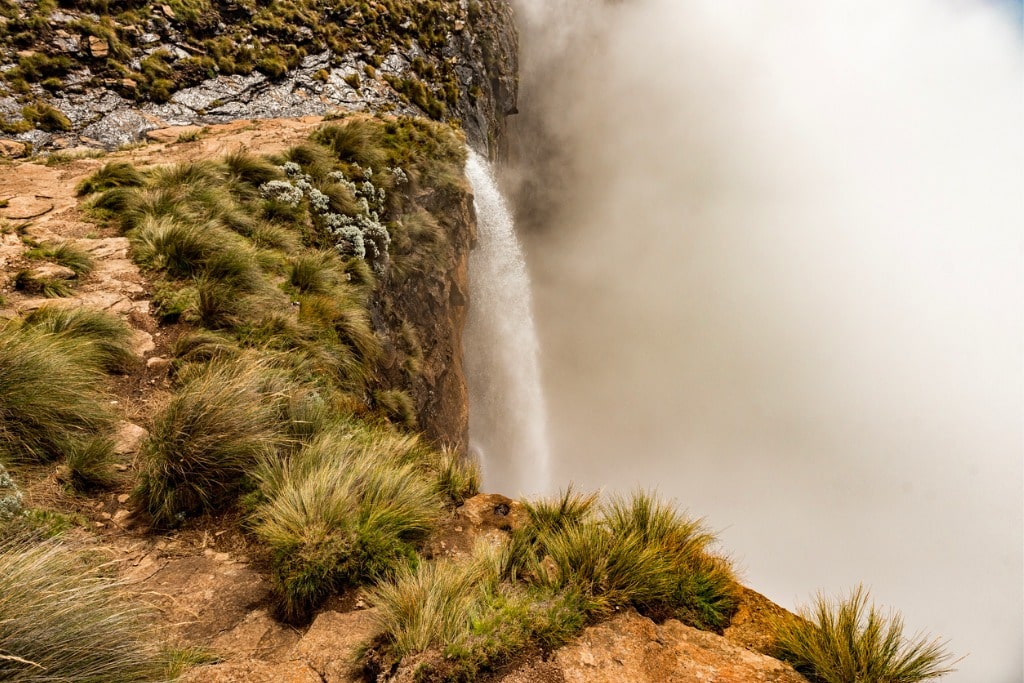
(777, 257)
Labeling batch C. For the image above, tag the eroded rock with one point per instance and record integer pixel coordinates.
(631, 648)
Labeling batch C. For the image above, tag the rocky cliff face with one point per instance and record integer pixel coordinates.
(422, 318)
(73, 76)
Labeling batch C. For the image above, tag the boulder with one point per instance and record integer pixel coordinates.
(332, 642)
(633, 649)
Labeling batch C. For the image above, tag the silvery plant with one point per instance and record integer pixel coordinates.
(362, 235)
(10, 497)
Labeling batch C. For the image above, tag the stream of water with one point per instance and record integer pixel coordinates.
(507, 420)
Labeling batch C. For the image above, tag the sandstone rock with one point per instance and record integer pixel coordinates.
(253, 672)
(51, 271)
(257, 636)
(142, 343)
(12, 149)
(98, 47)
(633, 649)
(24, 207)
(203, 598)
(492, 511)
(750, 626)
(128, 438)
(331, 644)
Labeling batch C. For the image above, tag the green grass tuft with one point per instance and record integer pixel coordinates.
(850, 641)
(214, 430)
(114, 174)
(50, 394)
(347, 509)
(109, 337)
(64, 619)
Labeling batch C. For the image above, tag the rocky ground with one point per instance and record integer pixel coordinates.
(208, 582)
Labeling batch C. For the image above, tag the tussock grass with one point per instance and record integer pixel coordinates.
(347, 509)
(90, 464)
(316, 272)
(458, 477)
(242, 167)
(51, 288)
(108, 336)
(50, 394)
(429, 605)
(114, 174)
(354, 140)
(315, 160)
(573, 562)
(703, 588)
(851, 641)
(64, 619)
(397, 406)
(344, 314)
(66, 254)
(465, 614)
(214, 430)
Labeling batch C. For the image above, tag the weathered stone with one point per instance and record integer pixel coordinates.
(633, 648)
(253, 671)
(332, 642)
(492, 511)
(257, 636)
(128, 438)
(12, 149)
(24, 207)
(51, 271)
(202, 597)
(98, 47)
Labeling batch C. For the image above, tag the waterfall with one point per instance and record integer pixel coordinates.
(507, 418)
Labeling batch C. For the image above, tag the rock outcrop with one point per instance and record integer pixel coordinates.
(72, 78)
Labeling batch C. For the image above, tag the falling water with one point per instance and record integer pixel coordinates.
(507, 423)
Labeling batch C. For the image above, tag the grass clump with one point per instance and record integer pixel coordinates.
(574, 561)
(63, 618)
(50, 396)
(45, 117)
(851, 641)
(202, 445)
(107, 336)
(50, 287)
(349, 508)
(114, 174)
(66, 254)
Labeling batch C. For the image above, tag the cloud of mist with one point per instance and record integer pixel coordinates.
(777, 251)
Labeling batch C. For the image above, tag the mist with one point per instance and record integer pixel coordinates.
(777, 258)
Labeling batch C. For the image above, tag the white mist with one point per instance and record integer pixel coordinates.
(778, 274)
(507, 419)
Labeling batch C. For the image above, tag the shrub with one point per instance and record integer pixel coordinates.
(50, 395)
(347, 509)
(107, 336)
(208, 437)
(848, 641)
(64, 619)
